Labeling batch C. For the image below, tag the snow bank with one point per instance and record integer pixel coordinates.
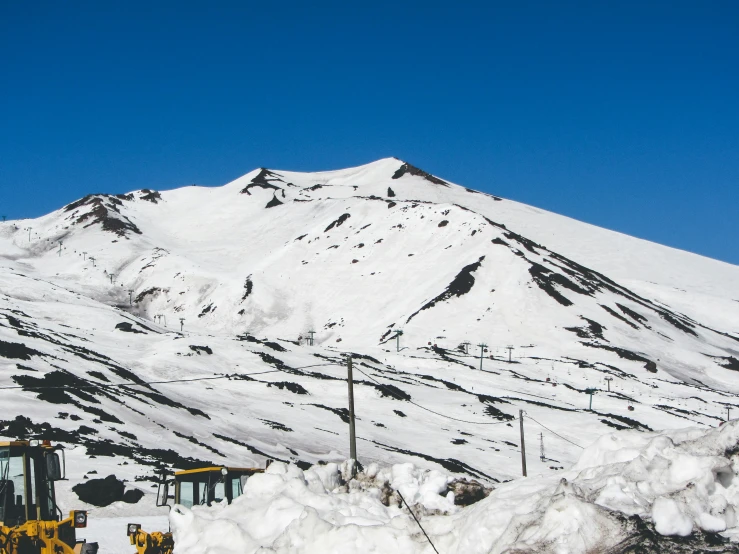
(673, 482)
(316, 510)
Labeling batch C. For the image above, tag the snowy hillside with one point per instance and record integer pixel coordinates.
(109, 300)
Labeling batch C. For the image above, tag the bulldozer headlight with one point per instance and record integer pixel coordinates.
(133, 529)
(80, 519)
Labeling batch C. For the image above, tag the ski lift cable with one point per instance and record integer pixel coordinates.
(557, 434)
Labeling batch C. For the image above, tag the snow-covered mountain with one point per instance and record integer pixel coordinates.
(109, 296)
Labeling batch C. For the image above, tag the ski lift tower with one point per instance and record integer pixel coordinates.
(398, 334)
(510, 349)
(483, 349)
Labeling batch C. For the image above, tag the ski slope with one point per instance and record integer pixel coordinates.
(170, 327)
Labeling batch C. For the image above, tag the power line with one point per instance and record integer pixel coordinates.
(144, 383)
(553, 433)
(133, 384)
(428, 409)
(419, 523)
(237, 375)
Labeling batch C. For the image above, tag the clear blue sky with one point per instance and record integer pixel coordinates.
(622, 114)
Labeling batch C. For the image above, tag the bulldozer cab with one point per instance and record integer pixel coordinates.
(30, 520)
(27, 474)
(193, 487)
(204, 486)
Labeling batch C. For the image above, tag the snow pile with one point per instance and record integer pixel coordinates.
(626, 484)
(314, 510)
(683, 480)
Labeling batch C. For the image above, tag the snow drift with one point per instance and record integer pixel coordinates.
(627, 485)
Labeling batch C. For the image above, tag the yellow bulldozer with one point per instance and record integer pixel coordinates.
(30, 520)
(193, 487)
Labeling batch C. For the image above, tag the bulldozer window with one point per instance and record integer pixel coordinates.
(12, 487)
(187, 494)
(236, 489)
(44, 489)
(202, 492)
(219, 492)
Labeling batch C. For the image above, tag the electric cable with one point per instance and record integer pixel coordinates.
(134, 384)
(430, 410)
(419, 523)
(557, 434)
(144, 383)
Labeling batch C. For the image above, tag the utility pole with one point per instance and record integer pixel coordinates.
(542, 457)
(29, 233)
(84, 256)
(523, 444)
(311, 333)
(397, 340)
(728, 413)
(93, 261)
(111, 278)
(609, 379)
(182, 323)
(352, 435)
(60, 248)
(510, 349)
(130, 297)
(483, 347)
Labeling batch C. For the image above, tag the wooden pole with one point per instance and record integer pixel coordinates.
(352, 435)
(523, 444)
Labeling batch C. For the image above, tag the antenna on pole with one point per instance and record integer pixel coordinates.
(483, 349)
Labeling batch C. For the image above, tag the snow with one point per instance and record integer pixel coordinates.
(578, 304)
(289, 510)
(669, 519)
